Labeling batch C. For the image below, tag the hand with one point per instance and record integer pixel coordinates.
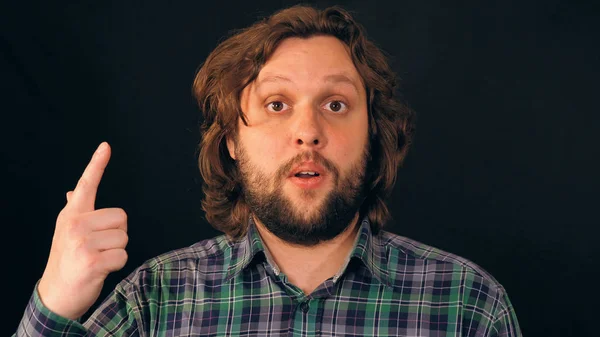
(88, 244)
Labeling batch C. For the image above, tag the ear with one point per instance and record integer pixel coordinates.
(230, 146)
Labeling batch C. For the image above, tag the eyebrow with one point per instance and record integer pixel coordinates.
(331, 78)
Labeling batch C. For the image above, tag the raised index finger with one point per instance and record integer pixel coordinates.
(84, 195)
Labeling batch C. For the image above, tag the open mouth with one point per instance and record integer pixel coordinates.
(306, 174)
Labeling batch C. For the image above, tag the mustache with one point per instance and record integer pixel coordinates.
(316, 157)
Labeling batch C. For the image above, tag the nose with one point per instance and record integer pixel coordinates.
(308, 129)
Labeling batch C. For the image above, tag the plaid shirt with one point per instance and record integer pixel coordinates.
(389, 286)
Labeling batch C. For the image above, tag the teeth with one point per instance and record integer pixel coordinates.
(308, 172)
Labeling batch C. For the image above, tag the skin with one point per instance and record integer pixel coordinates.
(87, 245)
(294, 101)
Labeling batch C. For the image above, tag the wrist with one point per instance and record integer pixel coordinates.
(52, 302)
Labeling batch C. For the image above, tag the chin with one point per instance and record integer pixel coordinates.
(312, 194)
(310, 216)
(306, 202)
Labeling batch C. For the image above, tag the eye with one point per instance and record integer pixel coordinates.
(277, 106)
(336, 106)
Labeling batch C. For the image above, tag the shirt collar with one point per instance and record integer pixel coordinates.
(368, 249)
(371, 251)
(244, 251)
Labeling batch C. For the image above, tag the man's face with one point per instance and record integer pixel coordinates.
(303, 154)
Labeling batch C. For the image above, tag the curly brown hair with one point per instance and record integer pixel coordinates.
(237, 61)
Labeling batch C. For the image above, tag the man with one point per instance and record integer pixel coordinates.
(302, 137)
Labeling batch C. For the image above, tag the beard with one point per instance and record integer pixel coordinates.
(309, 224)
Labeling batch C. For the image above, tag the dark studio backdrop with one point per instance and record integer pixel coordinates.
(504, 169)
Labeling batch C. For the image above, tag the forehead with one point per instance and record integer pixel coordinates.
(313, 59)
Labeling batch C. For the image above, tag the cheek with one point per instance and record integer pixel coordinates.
(350, 145)
(264, 149)
(346, 152)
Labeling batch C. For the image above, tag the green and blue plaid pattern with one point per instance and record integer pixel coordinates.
(389, 286)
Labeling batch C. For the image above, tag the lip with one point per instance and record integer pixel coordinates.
(307, 166)
(308, 183)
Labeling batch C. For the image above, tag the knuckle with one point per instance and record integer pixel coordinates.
(122, 214)
(74, 225)
(123, 258)
(118, 259)
(123, 255)
(62, 217)
(76, 221)
(124, 239)
(118, 214)
(89, 260)
(83, 182)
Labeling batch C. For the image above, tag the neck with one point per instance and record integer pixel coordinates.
(309, 266)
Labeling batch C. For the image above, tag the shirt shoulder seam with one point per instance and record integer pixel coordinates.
(409, 247)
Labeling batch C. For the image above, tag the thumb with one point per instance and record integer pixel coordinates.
(69, 194)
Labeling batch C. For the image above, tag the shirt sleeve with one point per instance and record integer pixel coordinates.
(114, 317)
(505, 323)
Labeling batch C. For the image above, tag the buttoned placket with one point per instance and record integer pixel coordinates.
(303, 302)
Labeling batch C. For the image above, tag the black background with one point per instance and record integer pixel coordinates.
(504, 170)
